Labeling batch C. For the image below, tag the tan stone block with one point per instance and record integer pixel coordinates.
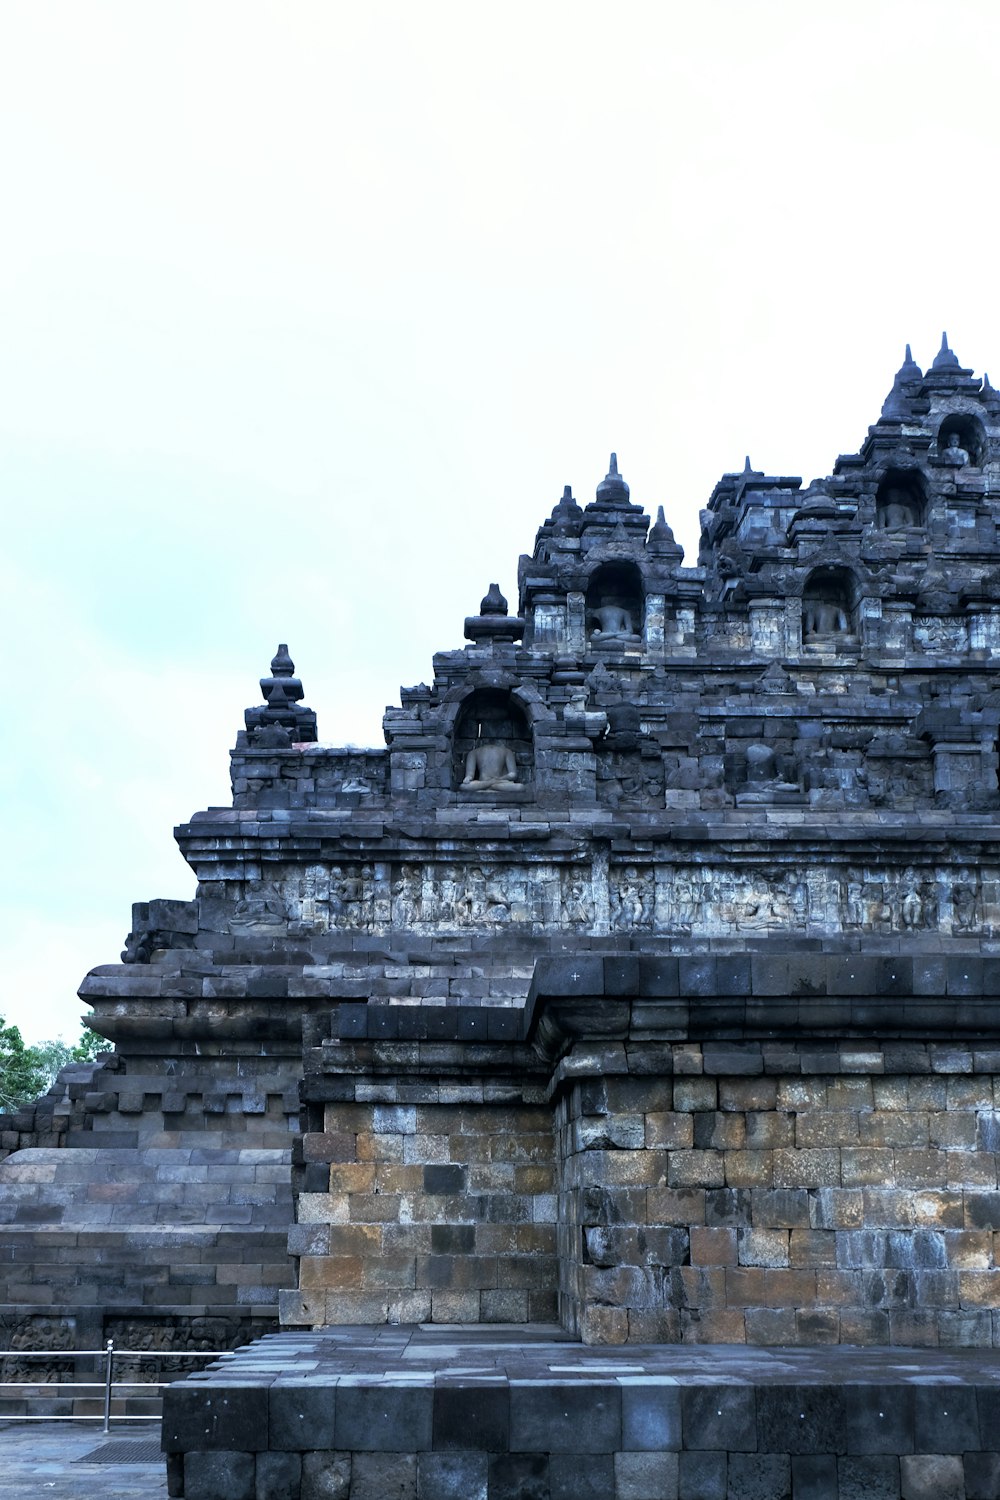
(802, 1093)
(635, 1168)
(746, 1094)
(744, 1286)
(812, 1247)
(771, 1131)
(787, 1287)
(704, 1287)
(922, 1168)
(952, 1132)
(850, 1093)
(713, 1247)
(721, 1132)
(938, 1209)
(749, 1168)
(837, 1208)
(762, 1247)
(352, 1117)
(979, 1288)
(826, 1127)
(696, 1168)
(374, 1208)
(390, 1177)
(331, 1271)
(355, 1307)
(352, 1177)
(669, 1130)
(603, 1325)
(356, 1239)
(899, 1127)
(532, 1239)
(455, 1307)
(536, 1179)
(471, 1148)
(971, 1091)
(971, 1169)
(838, 1288)
(718, 1325)
(322, 1208)
(890, 1093)
(410, 1307)
(329, 1145)
(868, 1166)
(970, 1249)
(372, 1147)
(695, 1094)
(396, 1273)
(813, 1168)
(684, 1205)
(427, 1148)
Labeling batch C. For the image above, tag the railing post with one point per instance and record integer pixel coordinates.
(109, 1355)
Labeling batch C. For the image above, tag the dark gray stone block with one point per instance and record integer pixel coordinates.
(473, 1416)
(866, 1479)
(219, 1476)
(301, 1416)
(519, 1476)
(947, 1420)
(801, 1419)
(719, 1416)
(760, 1476)
(982, 1476)
(382, 1418)
(703, 1476)
(651, 1418)
(585, 1476)
(880, 1419)
(565, 1418)
(278, 1476)
(452, 1476)
(814, 1477)
(216, 1417)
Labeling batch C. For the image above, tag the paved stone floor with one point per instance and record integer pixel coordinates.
(423, 1354)
(40, 1459)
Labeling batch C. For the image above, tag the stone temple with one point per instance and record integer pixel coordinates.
(640, 993)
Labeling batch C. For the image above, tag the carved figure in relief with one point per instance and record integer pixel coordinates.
(406, 897)
(897, 511)
(261, 906)
(954, 453)
(488, 766)
(632, 900)
(612, 620)
(820, 617)
(965, 906)
(577, 907)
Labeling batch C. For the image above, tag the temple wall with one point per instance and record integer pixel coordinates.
(783, 1196)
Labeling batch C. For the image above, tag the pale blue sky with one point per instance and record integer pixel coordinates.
(310, 310)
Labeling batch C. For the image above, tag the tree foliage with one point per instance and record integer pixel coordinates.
(27, 1071)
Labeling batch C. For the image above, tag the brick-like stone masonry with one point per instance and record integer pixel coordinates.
(508, 1415)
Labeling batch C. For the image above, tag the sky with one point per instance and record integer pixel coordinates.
(310, 310)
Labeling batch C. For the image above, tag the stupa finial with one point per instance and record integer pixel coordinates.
(945, 359)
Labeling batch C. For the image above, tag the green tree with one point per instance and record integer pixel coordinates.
(21, 1075)
(26, 1072)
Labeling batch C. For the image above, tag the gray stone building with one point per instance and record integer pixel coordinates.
(645, 982)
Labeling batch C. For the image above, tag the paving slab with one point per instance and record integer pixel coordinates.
(62, 1460)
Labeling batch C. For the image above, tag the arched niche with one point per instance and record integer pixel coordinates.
(900, 500)
(829, 606)
(490, 717)
(614, 602)
(961, 434)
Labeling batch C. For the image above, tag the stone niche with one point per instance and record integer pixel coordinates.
(492, 716)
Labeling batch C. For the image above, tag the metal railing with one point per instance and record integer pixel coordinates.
(106, 1383)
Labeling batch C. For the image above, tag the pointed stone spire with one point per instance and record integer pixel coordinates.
(613, 490)
(661, 539)
(281, 714)
(566, 514)
(945, 359)
(894, 407)
(748, 467)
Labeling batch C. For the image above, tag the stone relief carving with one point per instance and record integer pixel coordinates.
(633, 898)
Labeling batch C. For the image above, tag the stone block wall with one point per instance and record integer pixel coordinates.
(773, 1195)
(438, 1210)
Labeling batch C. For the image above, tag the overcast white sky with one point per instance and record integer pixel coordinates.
(310, 310)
